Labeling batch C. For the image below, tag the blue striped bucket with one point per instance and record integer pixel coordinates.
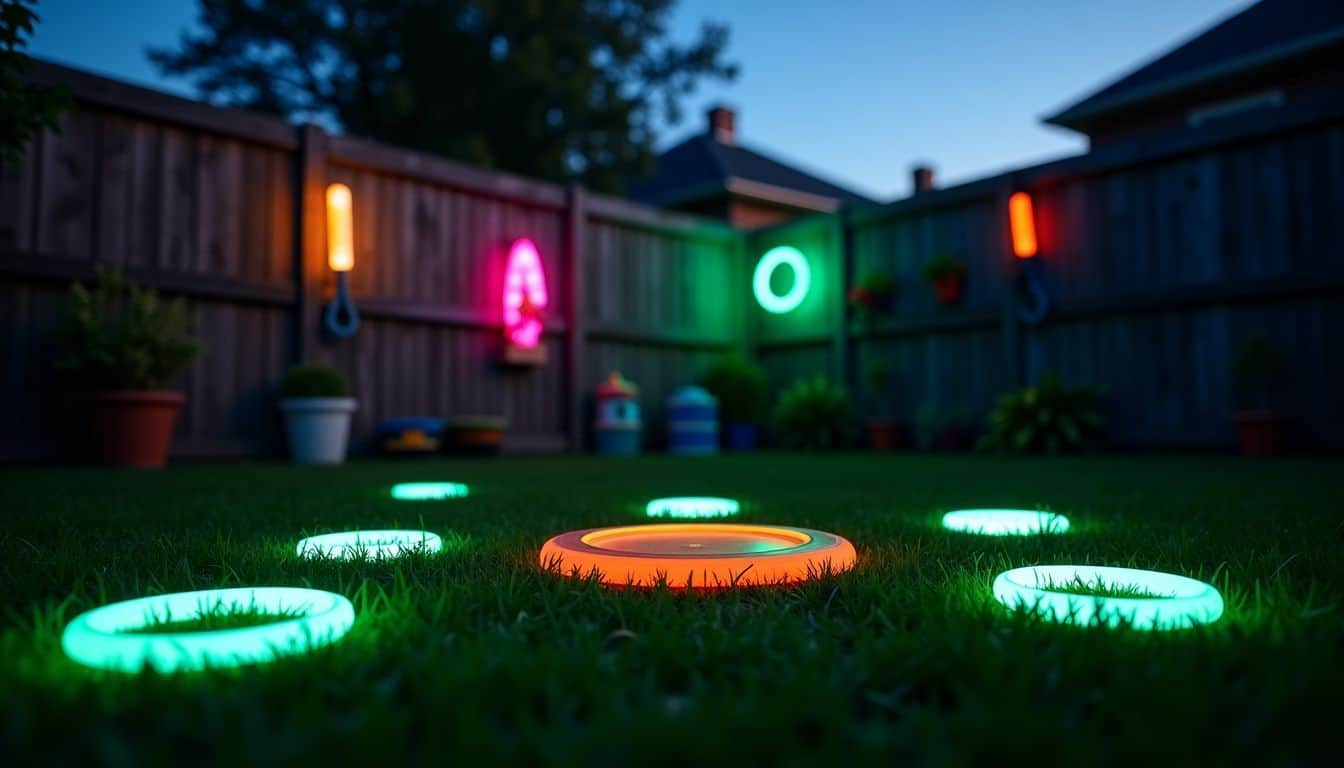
(692, 422)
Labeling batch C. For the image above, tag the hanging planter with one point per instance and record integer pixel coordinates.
(873, 296)
(948, 277)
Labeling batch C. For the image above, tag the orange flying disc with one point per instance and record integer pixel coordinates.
(698, 555)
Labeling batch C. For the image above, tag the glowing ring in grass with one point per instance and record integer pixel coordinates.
(765, 268)
(372, 544)
(1185, 602)
(100, 638)
(692, 507)
(698, 555)
(428, 491)
(1004, 522)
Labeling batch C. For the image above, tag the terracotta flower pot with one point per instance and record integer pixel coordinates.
(948, 289)
(1262, 433)
(885, 435)
(133, 428)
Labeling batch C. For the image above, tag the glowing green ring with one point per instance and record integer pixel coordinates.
(802, 279)
(1004, 522)
(1189, 601)
(692, 507)
(350, 545)
(428, 491)
(99, 638)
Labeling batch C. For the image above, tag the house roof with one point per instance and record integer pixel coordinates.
(702, 166)
(1268, 32)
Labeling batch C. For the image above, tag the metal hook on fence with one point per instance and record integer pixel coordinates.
(341, 318)
(1036, 303)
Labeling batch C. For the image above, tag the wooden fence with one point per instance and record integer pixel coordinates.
(227, 208)
(1159, 258)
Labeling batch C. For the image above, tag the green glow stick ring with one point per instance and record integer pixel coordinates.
(802, 279)
(1183, 602)
(101, 638)
(1004, 522)
(372, 544)
(428, 491)
(692, 507)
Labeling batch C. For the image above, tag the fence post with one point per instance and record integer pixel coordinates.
(309, 238)
(842, 274)
(577, 334)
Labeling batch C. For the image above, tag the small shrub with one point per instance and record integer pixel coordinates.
(1046, 418)
(120, 336)
(813, 415)
(739, 385)
(314, 381)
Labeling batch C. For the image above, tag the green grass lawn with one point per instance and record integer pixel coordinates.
(477, 652)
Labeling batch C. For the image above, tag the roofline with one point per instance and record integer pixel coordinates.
(1076, 117)
(753, 190)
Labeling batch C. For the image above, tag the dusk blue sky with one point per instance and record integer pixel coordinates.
(855, 90)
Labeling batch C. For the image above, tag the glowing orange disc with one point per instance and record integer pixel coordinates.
(698, 555)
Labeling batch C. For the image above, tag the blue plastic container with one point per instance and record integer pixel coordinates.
(410, 436)
(692, 422)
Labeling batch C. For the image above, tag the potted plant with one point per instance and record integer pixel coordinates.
(873, 295)
(940, 427)
(317, 409)
(948, 277)
(884, 433)
(739, 385)
(1258, 369)
(124, 344)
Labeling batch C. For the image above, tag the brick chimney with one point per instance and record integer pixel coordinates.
(722, 124)
(923, 177)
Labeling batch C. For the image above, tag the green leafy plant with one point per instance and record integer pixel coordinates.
(25, 108)
(813, 415)
(1258, 368)
(1046, 418)
(314, 381)
(120, 336)
(739, 385)
(942, 267)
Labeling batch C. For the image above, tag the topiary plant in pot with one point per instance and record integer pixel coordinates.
(813, 415)
(739, 385)
(1046, 418)
(124, 345)
(1258, 371)
(317, 409)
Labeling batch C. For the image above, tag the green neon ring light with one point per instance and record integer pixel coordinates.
(350, 545)
(802, 279)
(1005, 522)
(1187, 602)
(100, 638)
(428, 491)
(692, 507)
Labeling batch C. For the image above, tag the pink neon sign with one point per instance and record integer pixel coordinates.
(524, 294)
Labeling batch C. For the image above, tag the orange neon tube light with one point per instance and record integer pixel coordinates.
(1022, 219)
(698, 555)
(340, 228)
